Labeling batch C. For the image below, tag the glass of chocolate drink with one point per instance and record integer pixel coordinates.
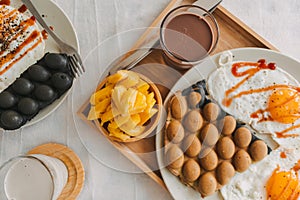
(188, 34)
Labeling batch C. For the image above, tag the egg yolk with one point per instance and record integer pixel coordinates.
(284, 105)
(283, 186)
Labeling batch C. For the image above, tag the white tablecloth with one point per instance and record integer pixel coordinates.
(97, 20)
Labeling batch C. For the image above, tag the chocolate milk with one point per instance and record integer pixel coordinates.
(188, 37)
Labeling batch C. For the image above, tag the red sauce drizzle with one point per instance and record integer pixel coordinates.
(45, 34)
(22, 9)
(5, 2)
(255, 68)
(24, 26)
(11, 55)
(283, 155)
(284, 133)
(297, 166)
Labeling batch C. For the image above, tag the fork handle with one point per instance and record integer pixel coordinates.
(41, 21)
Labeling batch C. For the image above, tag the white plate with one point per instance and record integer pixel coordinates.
(55, 17)
(176, 188)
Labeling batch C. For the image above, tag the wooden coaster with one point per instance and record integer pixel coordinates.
(74, 166)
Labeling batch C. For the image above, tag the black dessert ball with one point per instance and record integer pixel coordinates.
(23, 86)
(7, 100)
(11, 119)
(38, 73)
(57, 61)
(44, 93)
(61, 81)
(28, 106)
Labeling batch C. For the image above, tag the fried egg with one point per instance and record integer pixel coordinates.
(268, 179)
(21, 44)
(260, 94)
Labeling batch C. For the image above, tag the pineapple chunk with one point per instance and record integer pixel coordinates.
(117, 133)
(107, 116)
(138, 130)
(116, 96)
(143, 87)
(128, 99)
(122, 119)
(101, 94)
(101, 107)
(140, 104)
(145, 116)
(115, 78)
(92, 114)
(131, 123)
(131, 80)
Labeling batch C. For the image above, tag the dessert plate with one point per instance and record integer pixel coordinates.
(201, 71)
(56, 18)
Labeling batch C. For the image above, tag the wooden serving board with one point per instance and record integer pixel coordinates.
(233, 34)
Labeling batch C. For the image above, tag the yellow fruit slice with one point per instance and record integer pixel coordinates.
(128, 99)
(140, 104)
(138, 130)
(101, 94)
(117, 133)
(143, 87)
(92, 114)
(107, 116)
(131, 80)
(116, 96)
(145, 116)
(115, 78)
(122, 119)
(131, 123)
(102, 105)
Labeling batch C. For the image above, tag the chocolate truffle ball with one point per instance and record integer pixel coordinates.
(225, 148)
(211, 111)
(209, 135)
(210, 161)
(224, 172)
(193, 121)
(175, 131)
(191, 170)
(191, 145)
(258, 150)
(241, 160)
(207, 184)
(242, 137)
(228, 126)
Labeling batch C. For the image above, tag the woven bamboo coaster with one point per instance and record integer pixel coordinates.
(74, 166)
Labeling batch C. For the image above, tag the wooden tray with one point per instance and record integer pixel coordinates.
(233, 34)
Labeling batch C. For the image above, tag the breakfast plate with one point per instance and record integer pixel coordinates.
(202, 71)
(57, 19)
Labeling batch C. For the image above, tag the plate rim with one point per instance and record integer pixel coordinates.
(57, 103)
(159, 133)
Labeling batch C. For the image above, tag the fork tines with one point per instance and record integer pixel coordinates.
(75, 65)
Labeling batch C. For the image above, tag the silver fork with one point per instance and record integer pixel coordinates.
(75, 62)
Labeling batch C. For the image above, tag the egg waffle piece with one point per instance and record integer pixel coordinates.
(204, 146)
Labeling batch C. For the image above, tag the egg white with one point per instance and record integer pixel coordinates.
(241, 108)
(250, 185)
(30, 58)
